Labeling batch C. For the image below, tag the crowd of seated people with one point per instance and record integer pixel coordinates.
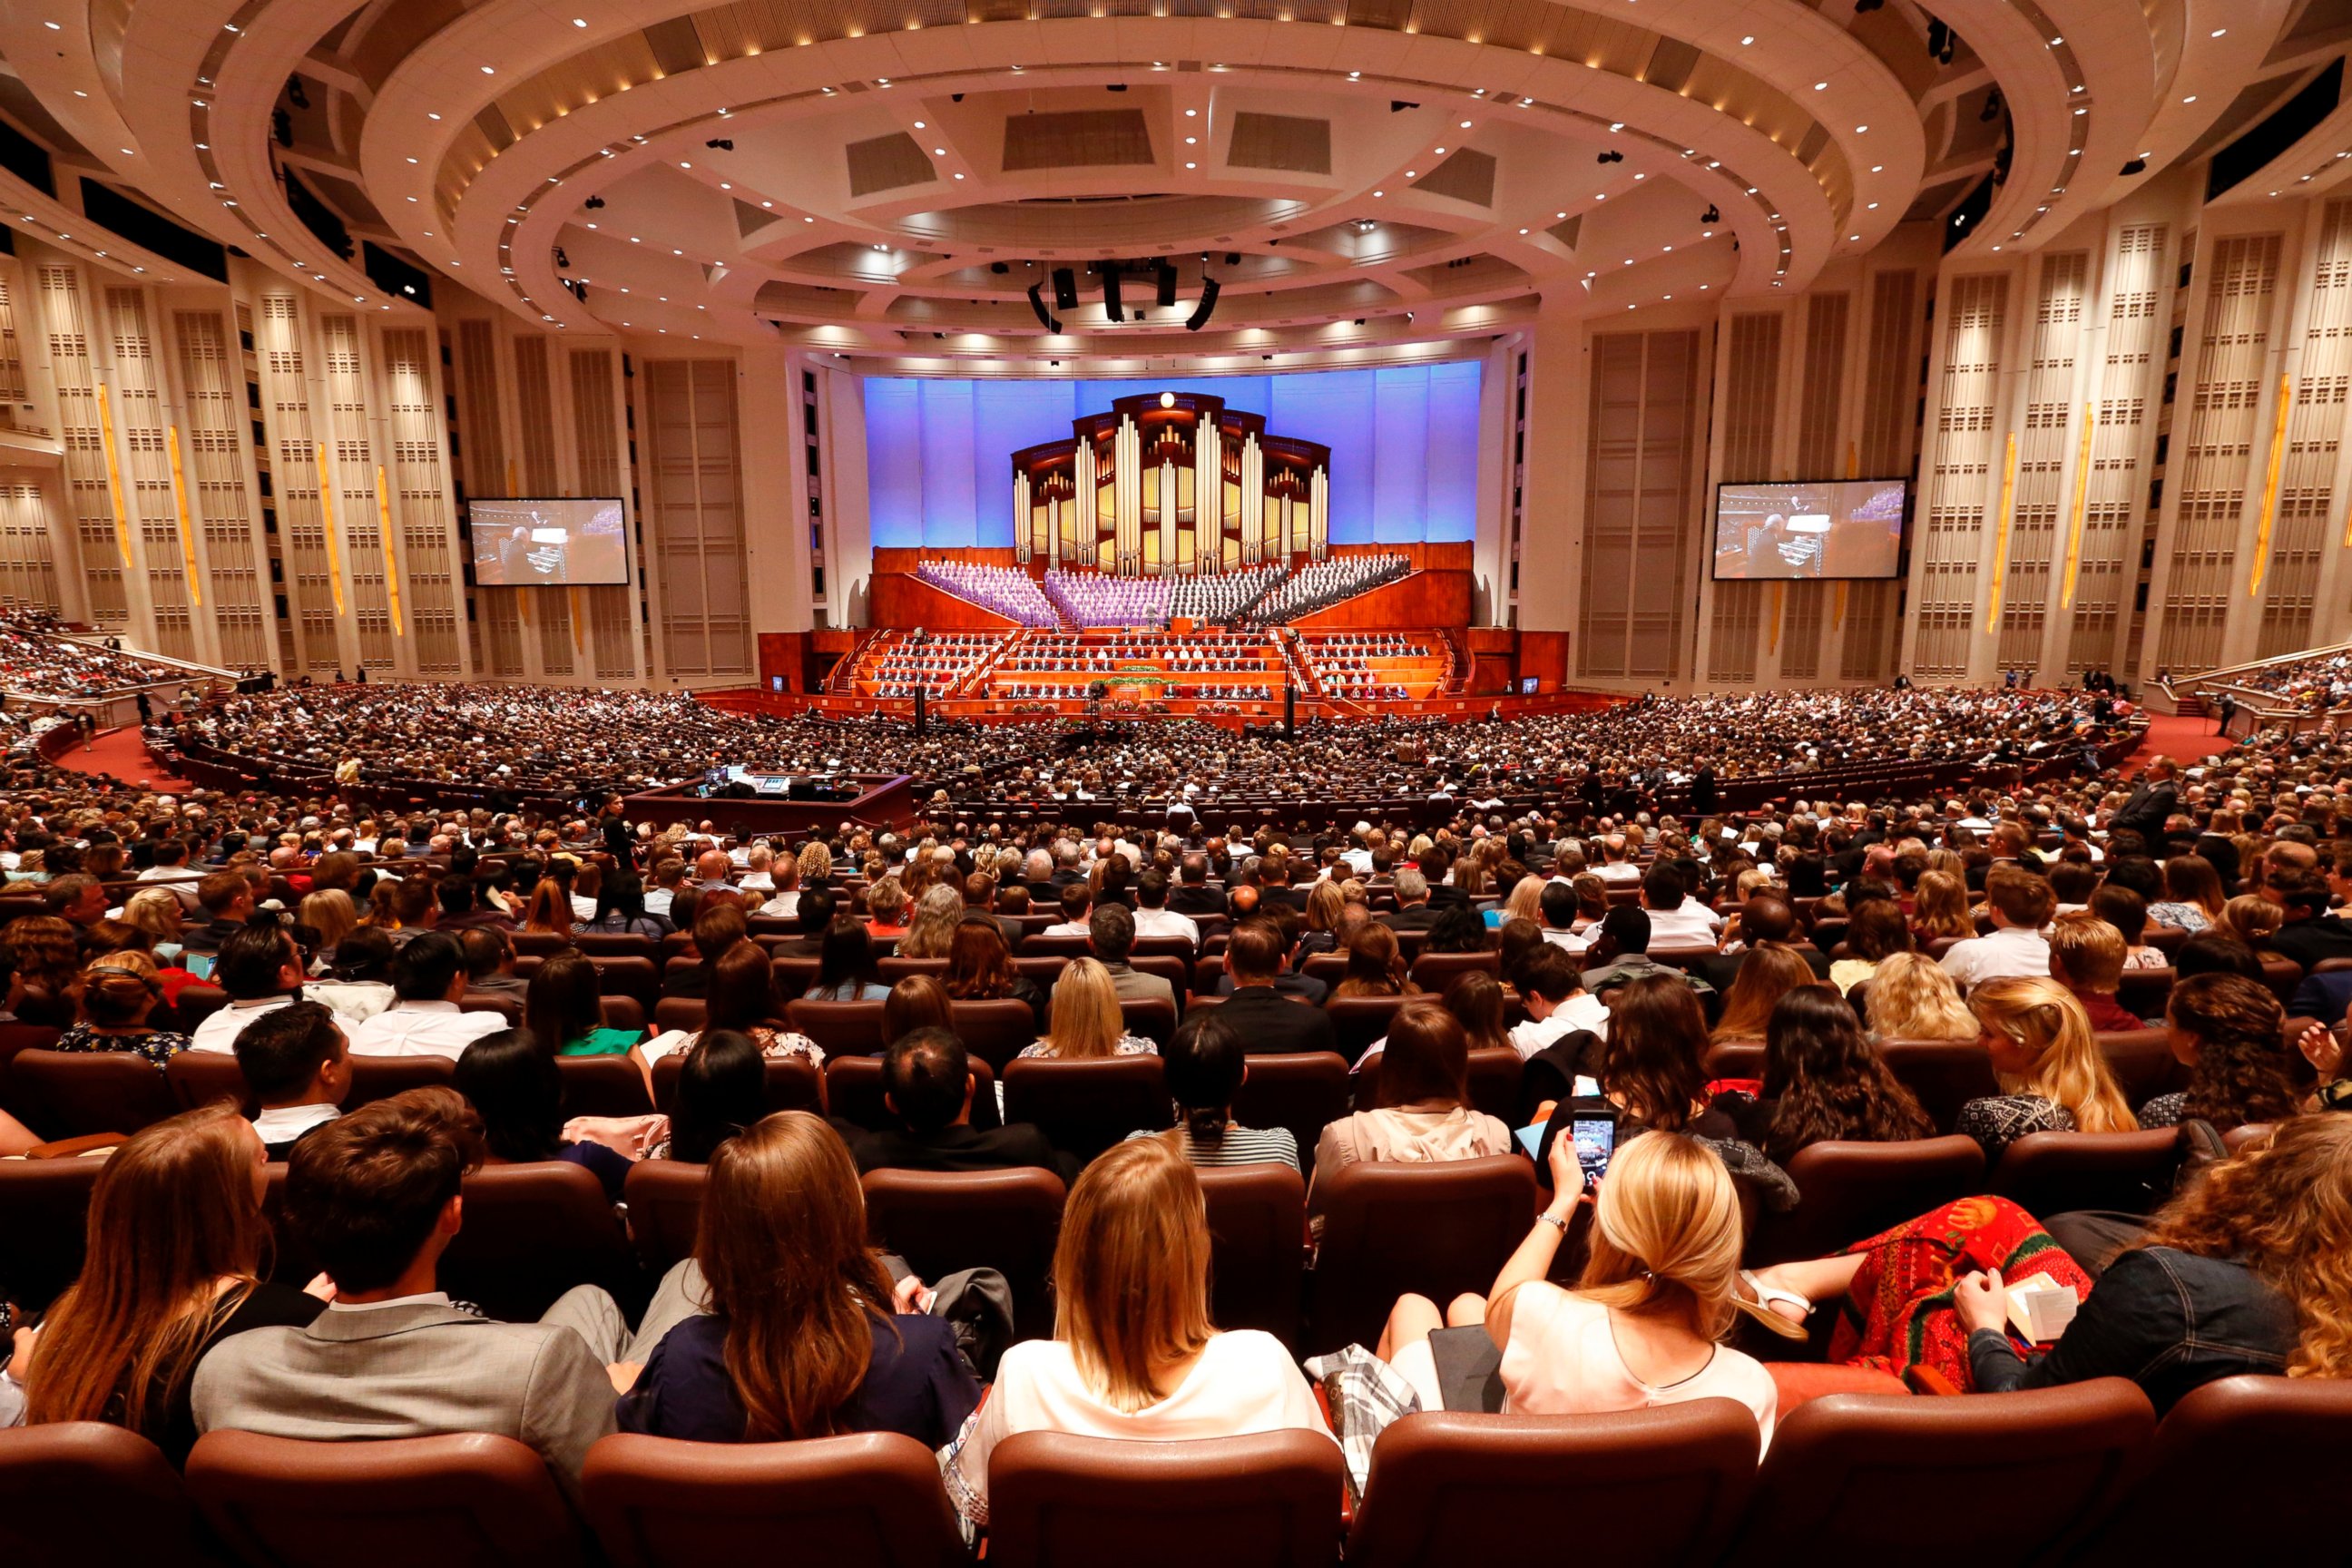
(1102, 599)
(1192, 653)
(1217, 598)
(38, 660)
(2321, 682)
(935, 662)
(1646, 951)
(1319, 585)
(1009, 591)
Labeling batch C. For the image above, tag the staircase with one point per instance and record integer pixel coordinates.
(975, 681)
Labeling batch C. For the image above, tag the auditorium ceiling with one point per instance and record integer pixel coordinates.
(893, 177)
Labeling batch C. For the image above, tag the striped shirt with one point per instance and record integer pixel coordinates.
(1239, 1146)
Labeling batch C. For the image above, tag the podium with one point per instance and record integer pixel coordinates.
(1179, 625)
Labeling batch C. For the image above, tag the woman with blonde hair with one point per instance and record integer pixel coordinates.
(1524, 902)
(816, 864)
(1085, 1022)
(332, 914)
(117, 995)
(804, 1335)
(1134, 1354)
(932, 930)
(1318, 929)
(175, 1266)
(1941, 908)
(1643, 1325)
(157, 911)
(1911, 999)
(885, 907)
(2251, 918)
(1769, 973)
(2052, 1077)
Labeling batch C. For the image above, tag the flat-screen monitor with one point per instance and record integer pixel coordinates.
(1817, 529)
(549, 543)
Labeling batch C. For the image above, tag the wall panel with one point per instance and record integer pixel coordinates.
(691, 480)
(1640, 502)
(1949, 538)
(2303, 525)
(217, 451)
(2096, 588)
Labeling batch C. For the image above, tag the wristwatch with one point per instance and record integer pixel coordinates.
(1553, 1220)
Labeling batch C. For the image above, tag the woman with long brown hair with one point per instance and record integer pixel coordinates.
(1134, 1352)
(2193, 895)
(1824, 1080)
(1424, 1115)
(1769, 973)
(1940, 907)
(174, 1265)
(1376, 966)
(550, 908)
(43, 964)
(805, 1336)
(2225, 1029)
(980, 966)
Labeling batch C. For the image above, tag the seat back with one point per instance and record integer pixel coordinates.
(2143, 1063)
(614, 944)
(1148, 1017)
(1434, 1229)
(2269, 1444)
(1005, 1220)
(463, 1500)
(532, 1233)
(1330, 968)
(1037, 944)
(602, 1085)
(1848, 1191)
(1448, 1488)
(1085, 1106)
(624, 1012)
(506, 1007)
(380, 1077)
(994, 1031)
(1943, 1075)
(83, 1491)
(1494, 1075)
(1179, 948)
(1357, 1021)
(197, 1002)
(1433, 971)
(639, 977)
(1736, 1059)
(665, 1199)
(67, 1094)
(2054, 1173)
(1302, 1090)
(1271, 1501)
(894, 969)
(686, 1013)
(1257, 1229)
(871, 1500)
(200, 1078)
(853, 1092)
(2142, 992)
(1177, 971)
(1849, 1472)
(45, 1205)
(841, 1028)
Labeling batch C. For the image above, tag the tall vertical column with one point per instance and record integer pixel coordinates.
(1319, 515)
(1167, 516)
(1208, 493)
(1078, 515)
(1253, 493)
(1024, 528)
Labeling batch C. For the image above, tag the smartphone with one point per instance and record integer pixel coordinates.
(199, 965)
(1595, 1133)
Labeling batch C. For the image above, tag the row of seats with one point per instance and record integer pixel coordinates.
(2084, 1474)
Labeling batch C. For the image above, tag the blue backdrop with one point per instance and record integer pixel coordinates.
(1403, 440)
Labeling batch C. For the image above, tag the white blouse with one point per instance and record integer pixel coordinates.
(1562, 1360)
(1243, 1382)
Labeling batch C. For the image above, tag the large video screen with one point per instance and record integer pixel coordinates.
(549, 543)
(1404, 443)
(1795, 532)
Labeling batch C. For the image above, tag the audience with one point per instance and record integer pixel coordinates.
(1204, 1068)
(1423, 1112)
(2052, 1077)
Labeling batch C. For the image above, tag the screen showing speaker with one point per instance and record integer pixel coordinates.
(564, 543)
(1810, 530)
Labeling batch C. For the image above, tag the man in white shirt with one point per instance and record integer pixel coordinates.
(2022, 904)
(1153, 915)
(1615, 870)
(1557, 1004)
(261, 970)
(1675, 921)
(1075, 902)
(1558, 904)
(296, 1062)
(428, 975)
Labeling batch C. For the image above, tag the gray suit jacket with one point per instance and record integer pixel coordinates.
(1133, 985)
(416, 1371)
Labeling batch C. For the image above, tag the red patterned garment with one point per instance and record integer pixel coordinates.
(1899, 1315)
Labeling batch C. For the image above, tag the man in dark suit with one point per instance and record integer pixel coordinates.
(813, 912)
(1413, 912)
(980, 899)
(1703, 796)
(927, 1085)
(2151, 803)
(2308, 936)
(1271, 1024)
(1192, 895)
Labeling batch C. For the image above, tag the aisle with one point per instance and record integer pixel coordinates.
(2183, 738)
(121, 753)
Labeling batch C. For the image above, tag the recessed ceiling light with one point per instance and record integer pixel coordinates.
(2218, 32)
(1821, 87)
(2190, 99)
(1747, 40)
(1191, 165)
(1379, 193)
(54, 27)
(579, 21)
(489, 70)
(430, 115)
(1465, 125)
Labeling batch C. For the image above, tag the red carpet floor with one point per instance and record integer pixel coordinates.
(123, 755)
(2180, 737)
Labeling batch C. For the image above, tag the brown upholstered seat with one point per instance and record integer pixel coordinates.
(634, 976)
(1148, 1017)
(792, 1082)
(1357, 1021)
(200, 1078)
(686, 1013)
(871, 1500)
(1302, 1090)
(1085, 1106)
(198, 1002)
(994, 1031)
(532, 1233)
(1943, 1075)
(613, 944)
(1852, 1190)
(842, 1028)
(2247, 1469)
(2143, 1063)
(604, 1085)
(1271, 1501)
(1448, 1489)
(665, 1199)
(85, 1492)
(1956, 1480)
(2054, 1172)
(465, 1501)
(1437, 1230)
(65, 1094)
(1433, 971)
(380, 1077)
(1257, 1229)
(1004, 1220)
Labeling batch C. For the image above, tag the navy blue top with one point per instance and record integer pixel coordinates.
(608, 1165)
(916, 1383)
